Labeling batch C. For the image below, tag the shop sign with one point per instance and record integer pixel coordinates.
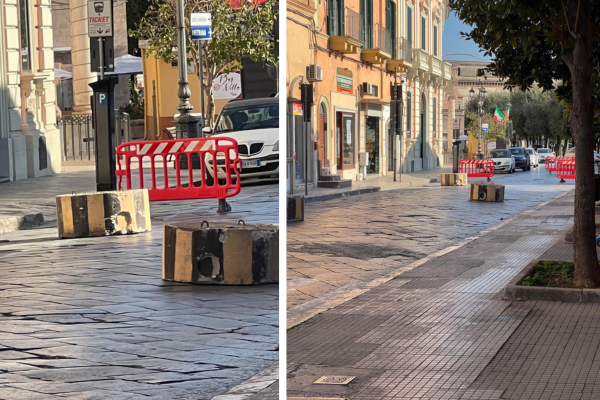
(227, 86)
(344, 81)
(297, 110)
(492, 146)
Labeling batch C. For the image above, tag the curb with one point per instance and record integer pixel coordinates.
(299, 317)
(340, 195)
(252, 386)
(11, 224)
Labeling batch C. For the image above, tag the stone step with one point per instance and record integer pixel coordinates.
(331, 177)
(339, 184)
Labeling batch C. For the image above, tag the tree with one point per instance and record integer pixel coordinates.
(540, 41)
(245, 31)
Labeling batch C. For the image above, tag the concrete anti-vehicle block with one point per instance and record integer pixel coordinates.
(103, 213)
(454, 179)
(221, 253)
(486, 191)
(295, 208)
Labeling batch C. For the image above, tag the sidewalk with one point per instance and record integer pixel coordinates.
(377, 183)
(91, 318)
(440, 330)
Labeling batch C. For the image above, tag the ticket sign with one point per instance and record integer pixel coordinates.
(100, 22)
(201, 25)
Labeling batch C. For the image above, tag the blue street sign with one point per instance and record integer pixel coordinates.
(201, 32)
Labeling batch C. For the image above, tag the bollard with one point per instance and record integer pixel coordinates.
(295, 208)
(486, 192)
(103, 213)
(221, 253)
(454, 179)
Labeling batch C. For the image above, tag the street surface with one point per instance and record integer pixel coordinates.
(92, 319)
(436, 328)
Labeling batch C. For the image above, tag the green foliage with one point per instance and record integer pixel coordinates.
(551, 274)
(135, 12)
(247, 31)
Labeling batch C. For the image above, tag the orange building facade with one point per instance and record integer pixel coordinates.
(352, 51)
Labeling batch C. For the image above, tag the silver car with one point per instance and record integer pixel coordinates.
(543, 152)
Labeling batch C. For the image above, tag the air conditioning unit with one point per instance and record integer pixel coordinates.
(369, 89)
(314, 73)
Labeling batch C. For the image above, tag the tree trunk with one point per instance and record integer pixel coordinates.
(587, 270)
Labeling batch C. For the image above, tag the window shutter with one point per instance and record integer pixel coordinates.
(393, 32)
(435, 40)
(331, 15)
(409, 26)
(423, 33)
(342, 18)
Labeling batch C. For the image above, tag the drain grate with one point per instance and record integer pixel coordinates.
(334, 380)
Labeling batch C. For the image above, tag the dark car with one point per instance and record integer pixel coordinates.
(522, 159)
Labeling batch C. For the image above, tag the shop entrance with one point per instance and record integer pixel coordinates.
(423, 139)
(372, 136)
(322, 135)
(390, 147)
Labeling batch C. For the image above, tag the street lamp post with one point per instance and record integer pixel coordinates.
(480, 97)
(186, 123)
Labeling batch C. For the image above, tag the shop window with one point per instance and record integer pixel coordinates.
(345, 144)
(26, 53)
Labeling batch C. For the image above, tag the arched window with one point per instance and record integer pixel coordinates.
(408, 114)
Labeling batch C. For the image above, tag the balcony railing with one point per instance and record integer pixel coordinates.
(435, 66)
(404, 50)
(351, 25)
(383, 39)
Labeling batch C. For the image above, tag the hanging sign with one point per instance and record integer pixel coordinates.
(344, 81)
(100, 18)
(226, 86)
(201, 24)
(492, 146)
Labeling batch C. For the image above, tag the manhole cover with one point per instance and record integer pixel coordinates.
(334, 380)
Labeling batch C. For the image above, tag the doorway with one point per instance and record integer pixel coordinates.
(372, 136)
(423, 139)
(322, 135)
(390, 147)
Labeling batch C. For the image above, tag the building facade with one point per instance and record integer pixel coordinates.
(29, 140)
(353, 51)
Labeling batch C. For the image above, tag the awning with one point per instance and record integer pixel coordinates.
(127, 65)
(62, 74)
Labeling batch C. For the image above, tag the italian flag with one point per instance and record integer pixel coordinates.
(498, 116)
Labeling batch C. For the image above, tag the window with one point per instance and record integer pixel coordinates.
(390, 24)
(261, 116)
(345, 139)
(460, 104)
(435, 40)
(423, 33)
(409, 27)
(25, 39)
(366, 12)
(408, 113)
(335, 18)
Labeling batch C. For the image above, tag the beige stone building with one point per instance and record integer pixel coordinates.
(29, 140)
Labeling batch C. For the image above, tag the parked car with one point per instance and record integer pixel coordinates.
(522, 159)
(254, 124)
(503, 161)
(543, 153)
(533, 157)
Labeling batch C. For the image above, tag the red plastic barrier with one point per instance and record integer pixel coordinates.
(550, 164)
(565, 168)
(476, 168)
(206, 151)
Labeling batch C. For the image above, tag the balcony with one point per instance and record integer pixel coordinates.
(447, 71)
(435, 66)
(420, 65)
(403, 58)
(345, 31)
(381, 50)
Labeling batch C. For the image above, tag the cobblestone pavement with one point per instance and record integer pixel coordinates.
(92, 319)
(344, 244)
(442, 331)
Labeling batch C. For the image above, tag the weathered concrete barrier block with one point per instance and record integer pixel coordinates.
(103, 213)
(295, 208)
(487, 191)
(225, 254)
(454, 179)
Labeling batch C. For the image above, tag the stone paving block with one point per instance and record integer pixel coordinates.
(103, 213)
(224, 254)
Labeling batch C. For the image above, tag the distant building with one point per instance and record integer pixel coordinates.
(30, 143)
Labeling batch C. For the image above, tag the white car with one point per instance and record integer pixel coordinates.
(254, 124)
(543, 152)
(533, 157)
(503, 161)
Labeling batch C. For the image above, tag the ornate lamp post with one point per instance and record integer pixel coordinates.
(186, 123)
(480, 98)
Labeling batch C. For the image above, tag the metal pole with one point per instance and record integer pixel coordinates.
(155, 136)
(479, 139)
(184, 87)
(306, 133)
(201, 77)
(101, 56)
(399, 113)
(394, 121)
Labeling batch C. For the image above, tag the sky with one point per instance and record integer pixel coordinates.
(454, 43)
